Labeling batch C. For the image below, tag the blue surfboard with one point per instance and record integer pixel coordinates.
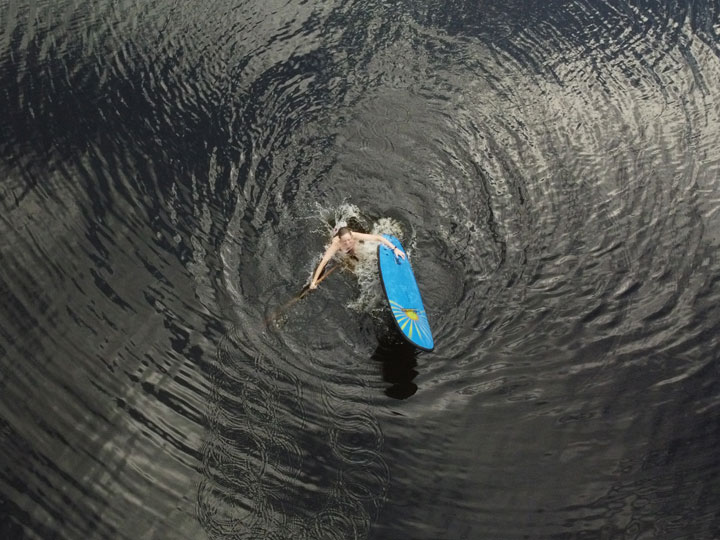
(403, 295)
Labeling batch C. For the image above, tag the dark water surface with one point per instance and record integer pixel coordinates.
(170, 174)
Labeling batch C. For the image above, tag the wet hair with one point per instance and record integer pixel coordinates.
(342, 231)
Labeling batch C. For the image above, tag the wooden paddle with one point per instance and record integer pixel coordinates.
(303, 293)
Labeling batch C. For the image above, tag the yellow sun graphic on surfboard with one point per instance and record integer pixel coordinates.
(411, 321)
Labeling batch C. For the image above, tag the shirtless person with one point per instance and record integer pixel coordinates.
(345, 241)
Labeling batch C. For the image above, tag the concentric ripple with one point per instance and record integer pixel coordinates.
(171, 172)
(277, 464)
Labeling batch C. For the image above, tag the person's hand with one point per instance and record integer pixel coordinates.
(313, 285)
(398, 253)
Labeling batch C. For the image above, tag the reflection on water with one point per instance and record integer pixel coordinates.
(170, 174)
(398, 360)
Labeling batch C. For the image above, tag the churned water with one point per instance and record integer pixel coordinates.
(171, 172)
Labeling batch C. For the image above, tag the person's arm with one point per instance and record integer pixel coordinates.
(329, 252)
(384, 241)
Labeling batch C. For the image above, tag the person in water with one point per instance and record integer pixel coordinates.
(344, 241)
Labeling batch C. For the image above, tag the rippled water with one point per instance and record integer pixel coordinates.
(170, 174)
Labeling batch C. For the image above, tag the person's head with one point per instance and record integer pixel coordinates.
(342, 231)
(346, 237)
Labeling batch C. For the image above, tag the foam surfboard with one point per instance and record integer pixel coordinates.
(403, 295)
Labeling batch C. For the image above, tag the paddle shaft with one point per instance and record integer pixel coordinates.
(305, 291)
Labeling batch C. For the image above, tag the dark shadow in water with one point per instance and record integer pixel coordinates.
(399, 360)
